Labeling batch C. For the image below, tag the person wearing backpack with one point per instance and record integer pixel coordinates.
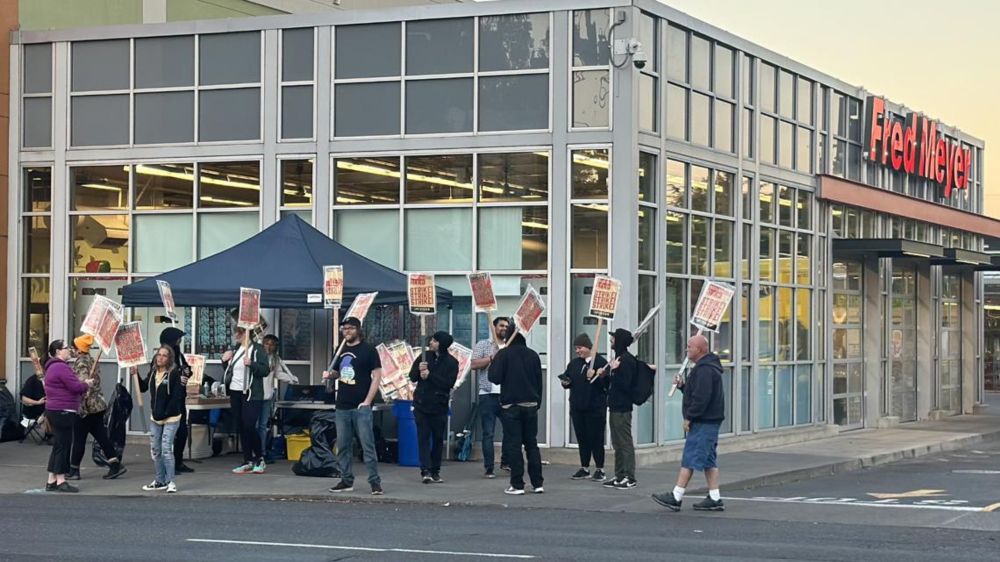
(624, 369)
(704, 408)
(588, 406)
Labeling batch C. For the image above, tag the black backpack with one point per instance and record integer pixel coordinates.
(643, 383)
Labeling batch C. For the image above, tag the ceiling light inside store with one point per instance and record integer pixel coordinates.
(226, 201)
(101, 186)
(154, 171)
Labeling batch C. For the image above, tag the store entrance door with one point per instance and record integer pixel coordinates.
(902, 343)
(950, 353)
(848, 356)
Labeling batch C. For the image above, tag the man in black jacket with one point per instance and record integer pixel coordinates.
(704, 410)
(435, 377)
(588, 406)
(518, 371)
(623, 372)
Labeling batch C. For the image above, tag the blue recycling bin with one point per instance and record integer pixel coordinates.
(406, 431)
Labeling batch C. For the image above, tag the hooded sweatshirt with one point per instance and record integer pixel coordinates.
(172, 336)
(63, 390)
(166, 396)
(585, 395)
(518, 371)
(620, 392)
(431, 395)
(704, 400)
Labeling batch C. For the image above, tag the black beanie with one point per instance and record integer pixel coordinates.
(444, 340)
(583, 340)
(623, 339)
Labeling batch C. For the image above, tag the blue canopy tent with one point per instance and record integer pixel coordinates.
(285, 261)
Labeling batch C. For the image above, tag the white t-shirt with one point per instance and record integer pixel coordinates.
(239, 371)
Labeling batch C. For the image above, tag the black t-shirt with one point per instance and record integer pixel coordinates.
(355, 366)
(34, 389)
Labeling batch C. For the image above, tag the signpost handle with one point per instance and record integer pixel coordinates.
(423, 337)
(138, 391)
(684, 366)
(331, 385)
(96, 363)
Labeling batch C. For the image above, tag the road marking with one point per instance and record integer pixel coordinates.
(991, 508)
(362, 548)
(975, 471)
(911, 494)
(852, 502)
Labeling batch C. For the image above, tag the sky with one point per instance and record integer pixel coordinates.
(951, 74)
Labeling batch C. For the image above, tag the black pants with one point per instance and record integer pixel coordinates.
(180, 440)
(430, 435)
(245, 413)
(589, 427)
(62, 428)
(91, 424)
(520, 428)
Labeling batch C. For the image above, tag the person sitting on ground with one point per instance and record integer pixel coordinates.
(166, 402)
(91, 418)
(33, 401)
(435, 377)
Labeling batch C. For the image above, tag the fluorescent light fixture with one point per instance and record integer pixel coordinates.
(102, 187)
(226, 201)
(154, 171)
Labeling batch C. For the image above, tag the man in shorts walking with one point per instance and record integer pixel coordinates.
(704, 409)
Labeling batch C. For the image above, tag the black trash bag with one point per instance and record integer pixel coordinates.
(115, 418)
(318, 459)
(10, 428)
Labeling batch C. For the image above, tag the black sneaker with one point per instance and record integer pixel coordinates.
(599, 476)
(613, 483)
(489, 474)
(425, 477)
(181, 467)
(377, 490)
(625, 484)
(114, 471)
(50, 486)
(581, 474)
(667, 500)
(342, 487)
(436, 478)
(708, 504)
(504, 468)
(74, 474)
(67, 488)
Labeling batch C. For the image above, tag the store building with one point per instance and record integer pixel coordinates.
(522, 138)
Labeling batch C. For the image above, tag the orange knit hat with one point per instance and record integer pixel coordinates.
(83, 343)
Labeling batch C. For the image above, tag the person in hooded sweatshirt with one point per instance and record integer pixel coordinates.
(623, 372)
(704, 408)
(435, 377)
(171, 337)
(588, 406)
(518, 371)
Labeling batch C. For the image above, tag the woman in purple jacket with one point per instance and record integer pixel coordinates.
(63, 391)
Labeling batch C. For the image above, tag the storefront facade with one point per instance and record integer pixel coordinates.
(516, 138)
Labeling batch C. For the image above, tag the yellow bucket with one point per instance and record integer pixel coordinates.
(296, 444)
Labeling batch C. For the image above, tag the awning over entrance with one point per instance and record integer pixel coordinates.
(886, 248)
(960, 257)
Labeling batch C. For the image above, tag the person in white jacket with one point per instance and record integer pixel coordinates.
(279, 372)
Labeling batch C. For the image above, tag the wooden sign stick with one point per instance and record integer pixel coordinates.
(684, 366)
(96, 363)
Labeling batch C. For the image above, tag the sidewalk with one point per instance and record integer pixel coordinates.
(23, 469)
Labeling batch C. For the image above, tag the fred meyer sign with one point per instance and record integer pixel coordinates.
(914, 145)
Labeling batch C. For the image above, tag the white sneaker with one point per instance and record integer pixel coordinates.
(538, 490)
(154, 486)
(171, 488)
(514, 491)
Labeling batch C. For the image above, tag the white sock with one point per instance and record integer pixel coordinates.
(715, 495)
(678, 493)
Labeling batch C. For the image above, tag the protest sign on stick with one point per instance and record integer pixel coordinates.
(35, 361)
(249, 315)
(708, 314)
(197, 364)
(484, 299)
(423, 302)
(167, 298)
(359, 309)
(603, 304)
(131, 348)
(102, 321)
(463, 355)
(529, 312)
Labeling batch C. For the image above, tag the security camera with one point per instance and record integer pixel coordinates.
(639, 59)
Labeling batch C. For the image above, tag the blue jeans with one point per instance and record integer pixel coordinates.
(161, 446)
(489, 412)
(350, 423)
(266, 407)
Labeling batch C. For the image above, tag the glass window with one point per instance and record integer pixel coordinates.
(99, 120)
(767, 131)
(723, 71)
(439, 106)
(295, 333)
(164, 186)
(804, 109)
(297, 54)
(439, 46)
(296, 112)
(767, 92)
(647, 177)
(723, 126)
(784, 310)
(785, 196)
(676, 112)
(700, 186)
(368, 180)
(513, 103)
(746, 190)
(722, 260)
(589, 225)
(746, 252)
(164, 117)
(676, 242)
(647, 103)
(803, 261)
(676, 184)
(803, 150)
(514, 42)
(229, 114)
(767, 202)
(647, 238)
(701, 63)
(589, 174)
(765, 338)
(839, 149)
(647, 31)
(351, 117)
(297, 183)
(838, 114)
(37, 244)
(676, 53)
(164, 62)
(803, 394)
(99, 188)
(499, 248)
(100, 243)
(786, 144)
(229, 58)
(35, 319)
(699, 246)
(676, 328)
(700, 118)
(229, 184)
(367, 51)
(786, 383)
(221, 231)
(747, 64)
(803, 324)
(371, 233)
(786, 96)
(428, 229)
(37, 190)
(591, 98)
(439, 179)
(153, 254)
(748, 133)
(854, 162)
(591, 38)
(508, 177)
(803, 209)
(37, 69)
(724, 193)
(766, 263)
(37, 124)
(854, 120)
(100, 65)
